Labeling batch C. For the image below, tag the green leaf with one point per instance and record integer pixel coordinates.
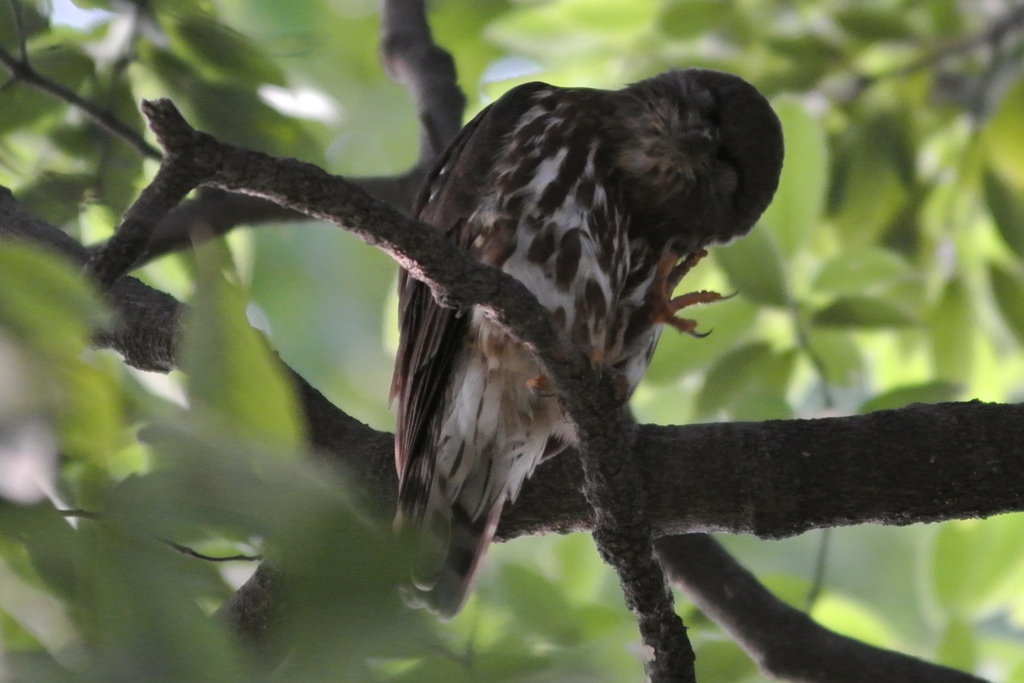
(597, 621)
(579, 566)
(928, 392)
(947, 17)
(25, 107)
(118, 164)
(951, 564)
(789, 589)
(977, 564)
(754, 266)
(730, 375)
(1004, 134)
(680, 353)
(45, 301)
(573, 28)
(22, 106)
(951, 326)
(761, 403)
(750, 382)
(231, 111)
(722, 661)
(1007, 209)
(31, 617)
(56, 197)
(539, 605)
(231, 369)
(813, 51)
(870, 187)
(32, 23)
(226, 52)
(862, 312)
(959, 646)
(52, 545)
(507, 664)
(65, 63)
(872, 24)
(147, 616)
(684, 19)
(1008, 288)
(432, 669)
(90, 423)
(838, 353)
(800, 199)
(857, 270)
(853, 619)
(35, 666)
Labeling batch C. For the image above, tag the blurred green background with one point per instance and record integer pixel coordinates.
(887, 271)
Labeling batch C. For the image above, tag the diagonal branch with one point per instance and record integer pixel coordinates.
(785, 642)
(215, 212)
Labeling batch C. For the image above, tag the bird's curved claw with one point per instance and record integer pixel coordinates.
(665, 311)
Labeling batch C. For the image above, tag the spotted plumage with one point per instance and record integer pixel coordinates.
(590, 198)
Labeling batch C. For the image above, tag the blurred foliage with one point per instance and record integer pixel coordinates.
(888, 271)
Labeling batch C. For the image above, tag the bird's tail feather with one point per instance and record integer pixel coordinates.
(448, 554)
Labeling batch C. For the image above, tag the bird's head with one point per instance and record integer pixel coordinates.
(701, 153)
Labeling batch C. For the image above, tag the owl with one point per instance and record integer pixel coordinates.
(599, 202)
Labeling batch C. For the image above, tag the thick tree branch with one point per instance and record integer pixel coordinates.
(785, 642)
(216, 212)
(189, 163)
(775, 479)
(922, 463)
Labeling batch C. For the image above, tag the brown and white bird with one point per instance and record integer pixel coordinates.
(599, 202)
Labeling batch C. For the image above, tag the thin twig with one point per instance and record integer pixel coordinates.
(185, 550)
(820, 567)
(804, 341)
(21, 71)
